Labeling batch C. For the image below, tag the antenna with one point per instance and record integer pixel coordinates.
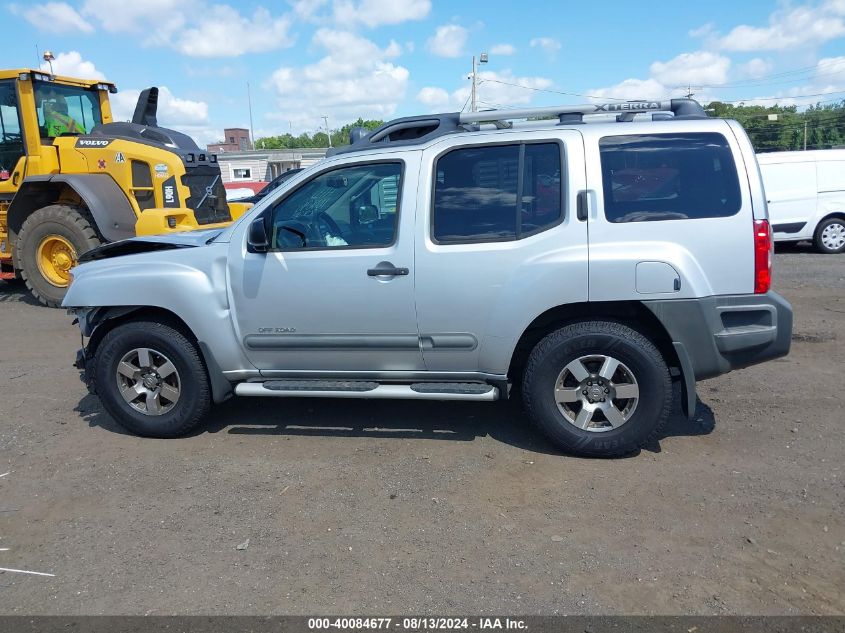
(249, 101)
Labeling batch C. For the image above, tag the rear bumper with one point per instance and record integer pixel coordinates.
(722, 333)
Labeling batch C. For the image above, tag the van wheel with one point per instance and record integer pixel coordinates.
(830, 236)
(48, 246)
(151, 379)
(597, 388)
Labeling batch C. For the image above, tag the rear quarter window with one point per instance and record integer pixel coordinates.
(668, 177)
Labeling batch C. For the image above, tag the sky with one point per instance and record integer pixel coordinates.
(379, 59)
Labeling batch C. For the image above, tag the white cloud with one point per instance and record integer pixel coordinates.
(789, 28)
(184, 115)
(53, 17)
(196, 28)
(355, 78)
(632, 89)
(548, 44)
(223, 32)
(306, 9)
(379, 12)
(435, 98)
(502, 49)
(698, 68)
(149, 16)
(755, 68)
(671, 78)
(448, 41)
(827, 78)
(173, 112)
(703, 31)
(72, 65)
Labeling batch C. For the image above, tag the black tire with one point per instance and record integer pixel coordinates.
(635, 351)
(65, 221)
(817, 237)
(194, 400)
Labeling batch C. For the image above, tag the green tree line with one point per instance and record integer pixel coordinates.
(771, 128)
(318, 139)
(781, 128)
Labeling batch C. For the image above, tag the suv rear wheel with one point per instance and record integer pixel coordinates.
(830, 236)
(151, 379)
(597, 388)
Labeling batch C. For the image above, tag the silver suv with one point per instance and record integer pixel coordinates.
(586, 265)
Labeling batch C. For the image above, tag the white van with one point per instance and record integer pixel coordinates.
(806, 196)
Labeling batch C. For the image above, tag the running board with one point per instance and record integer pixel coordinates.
(366, 389)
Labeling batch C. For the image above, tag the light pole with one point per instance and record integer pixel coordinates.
(48, 57)
(483, 59)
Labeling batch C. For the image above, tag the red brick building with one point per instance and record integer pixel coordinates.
(236, 139)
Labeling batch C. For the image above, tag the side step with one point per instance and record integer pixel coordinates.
(365, 389)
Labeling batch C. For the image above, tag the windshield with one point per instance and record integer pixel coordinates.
(66, 109)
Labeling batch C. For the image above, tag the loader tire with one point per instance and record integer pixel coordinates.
(49, 245)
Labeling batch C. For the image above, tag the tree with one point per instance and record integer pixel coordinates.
(825, 125)
(318, 139)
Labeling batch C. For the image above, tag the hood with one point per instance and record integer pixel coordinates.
(150, 243)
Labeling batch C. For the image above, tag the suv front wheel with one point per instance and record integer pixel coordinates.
(151, 379)
(597, 388)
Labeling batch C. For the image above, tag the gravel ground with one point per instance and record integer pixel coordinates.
(308, 506)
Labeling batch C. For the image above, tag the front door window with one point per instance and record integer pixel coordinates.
(350, 207)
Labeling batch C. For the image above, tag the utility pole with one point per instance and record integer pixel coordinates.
(805, 135)
(473, 107)
(328, 131)
(474, 90)
(251, 133)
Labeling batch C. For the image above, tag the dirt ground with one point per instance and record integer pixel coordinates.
(427, 508)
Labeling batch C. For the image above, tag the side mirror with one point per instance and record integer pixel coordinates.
(337, 182)
(257, 239)
(367, 213)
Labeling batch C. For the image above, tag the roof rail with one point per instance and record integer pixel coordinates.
(686, 108)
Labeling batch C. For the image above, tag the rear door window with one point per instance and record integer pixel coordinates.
(668, 177)
(497, 192)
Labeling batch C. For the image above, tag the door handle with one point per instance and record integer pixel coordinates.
(386, 269)
(15, 177)
(581, 212)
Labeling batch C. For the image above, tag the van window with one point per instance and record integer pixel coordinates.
(668, 177)
(497, 192)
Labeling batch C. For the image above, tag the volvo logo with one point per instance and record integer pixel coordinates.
(209, 191)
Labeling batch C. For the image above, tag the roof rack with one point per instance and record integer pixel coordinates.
(419, 129)
(681, 108)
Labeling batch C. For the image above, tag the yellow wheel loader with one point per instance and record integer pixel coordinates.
(71, 178)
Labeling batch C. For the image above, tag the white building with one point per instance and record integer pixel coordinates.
(264, 165)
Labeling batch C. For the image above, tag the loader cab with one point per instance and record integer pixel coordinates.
(35, 109)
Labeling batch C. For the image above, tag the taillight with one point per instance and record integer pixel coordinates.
(762, 256)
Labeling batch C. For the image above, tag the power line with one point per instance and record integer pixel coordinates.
(817, 94)
(762, 81)
(557, 92)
